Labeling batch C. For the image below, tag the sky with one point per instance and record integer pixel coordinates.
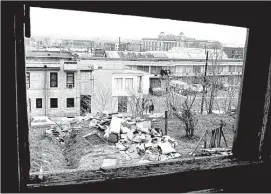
(86, 25)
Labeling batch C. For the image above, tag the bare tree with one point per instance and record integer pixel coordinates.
(138, 103)
(103, 96)
(229, 99)
(213, 81)
(186, 115)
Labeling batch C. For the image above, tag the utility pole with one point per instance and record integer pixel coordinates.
(204, 84)
(119, 44)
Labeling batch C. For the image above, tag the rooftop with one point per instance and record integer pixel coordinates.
(49, 54)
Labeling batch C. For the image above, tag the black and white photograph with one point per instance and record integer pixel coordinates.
(109, 99)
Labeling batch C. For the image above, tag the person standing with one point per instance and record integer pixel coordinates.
(151, 108)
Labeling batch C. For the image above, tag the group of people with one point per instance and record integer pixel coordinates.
(165, 72)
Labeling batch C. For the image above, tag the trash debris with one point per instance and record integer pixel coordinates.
(124, 130)
(94, 139)
(107, 163)
(113, 138)
(115, 125)
(166, 148)
(134, 137)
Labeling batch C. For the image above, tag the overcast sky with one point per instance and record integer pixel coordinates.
(77, 24)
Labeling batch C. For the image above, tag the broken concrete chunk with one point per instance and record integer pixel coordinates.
(144, 130)
(121, 147)
(153, 157)
(92, 123)
(115, 125)
(123, 136)
(130, 135)
(166, 148)
(140, 148)
(109, 163)
(163, 157)
(124, 130)
(174, 155)
(143, 125)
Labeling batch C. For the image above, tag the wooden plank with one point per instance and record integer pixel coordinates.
(22, 118)
(136, 171)
(252, 95)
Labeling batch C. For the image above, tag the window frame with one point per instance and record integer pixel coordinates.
(73, 103)
(37, 103)
(73, 80)
(56, 103)
(28, 79)
(55, 73)
(258, 31)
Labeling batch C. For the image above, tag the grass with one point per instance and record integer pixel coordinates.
(186, 145)
(45, 152)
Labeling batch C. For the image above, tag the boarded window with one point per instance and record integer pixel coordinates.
(128, 83)
(70, 102)
(122, 104)
(39, 103)
(118, 83)
(70, 80)
(53, 103)
(53, 79)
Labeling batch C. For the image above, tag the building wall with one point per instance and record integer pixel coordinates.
(104, 84)
(62, 92)
(87, 83)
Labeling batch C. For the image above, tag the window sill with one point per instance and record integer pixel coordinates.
(84, 176)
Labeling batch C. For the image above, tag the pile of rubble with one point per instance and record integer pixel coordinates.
(60, 130)
(135, 138)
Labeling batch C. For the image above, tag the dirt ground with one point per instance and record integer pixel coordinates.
(78, 153)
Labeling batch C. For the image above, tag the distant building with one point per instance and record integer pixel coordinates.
(165, 42)
(109, 46)
(77, 44)
(234, 52)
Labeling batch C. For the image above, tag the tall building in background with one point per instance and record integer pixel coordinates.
(165, 42)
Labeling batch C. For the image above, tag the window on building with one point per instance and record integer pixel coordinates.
(128, 83)
(70, 80)
(53, 102)
(39, 103)
(53, 79)
(122, 104)
(118, 82)
(139, 82)
(196, 69)
(28, 79)
(70, 102)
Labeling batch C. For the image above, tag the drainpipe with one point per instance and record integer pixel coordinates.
(45, 88)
